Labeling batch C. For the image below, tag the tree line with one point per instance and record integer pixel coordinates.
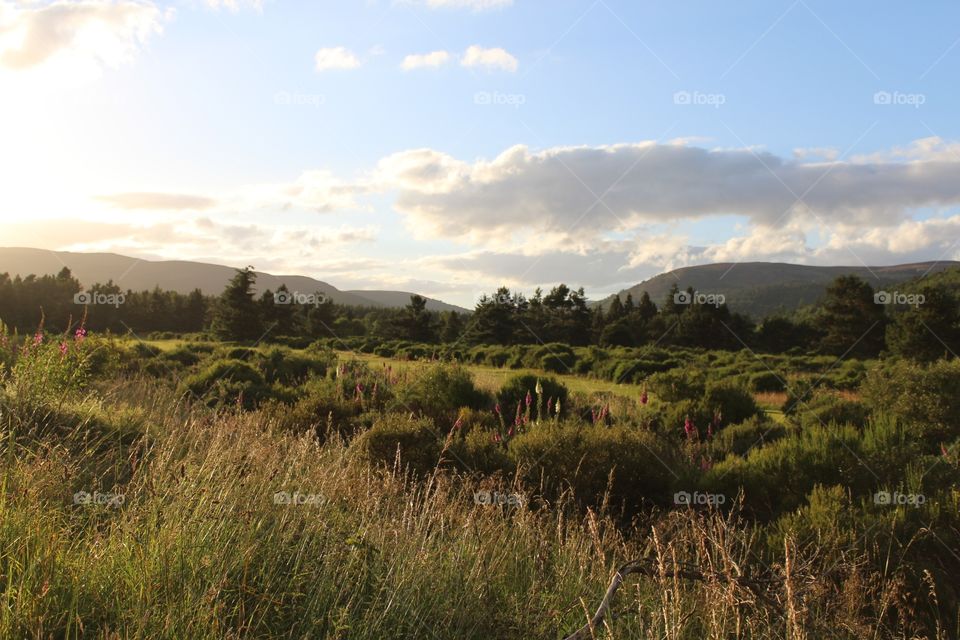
(849, 321)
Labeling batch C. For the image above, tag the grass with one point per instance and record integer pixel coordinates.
(207, 538)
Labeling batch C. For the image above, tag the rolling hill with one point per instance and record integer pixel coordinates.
(184, 276)
(758, 289)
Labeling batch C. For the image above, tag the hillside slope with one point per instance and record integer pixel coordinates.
(183, 276)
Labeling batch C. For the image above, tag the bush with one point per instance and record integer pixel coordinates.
(285, 367)
(476, 452)
(766, 382)
(440, 392)
(678, 384)
(516, 388)
(927, 396)
(585, 458)
(415, 438)
(753, 432)
(735, 403)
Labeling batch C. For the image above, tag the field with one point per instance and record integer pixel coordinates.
(197, 489)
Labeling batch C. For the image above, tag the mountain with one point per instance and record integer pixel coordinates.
(759, 289)
(184, 276)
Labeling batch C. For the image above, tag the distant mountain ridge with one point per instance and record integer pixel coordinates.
(759, 289)
(184, 276)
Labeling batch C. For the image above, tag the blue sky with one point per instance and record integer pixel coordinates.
(596, 143)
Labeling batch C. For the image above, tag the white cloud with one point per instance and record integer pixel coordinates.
(496, 58)
(475, 5)
(585, 191)
(158, 201)
(77, 37)
(336, 58)
(433, 60)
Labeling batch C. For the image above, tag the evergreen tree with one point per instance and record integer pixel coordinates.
(852, 320)
(237, 315)
(928, 330)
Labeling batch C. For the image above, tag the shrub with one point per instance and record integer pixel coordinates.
(285, 367)
(678, 384)
(927, 396)
(766, 382)
(516, 388)
(735, 403)
(753, 432)
(584, 459)
(439, 392)
(476, 452)
(414, 438)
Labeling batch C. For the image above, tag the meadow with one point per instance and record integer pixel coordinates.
(188, 488)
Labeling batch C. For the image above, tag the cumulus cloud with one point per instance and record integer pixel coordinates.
(591, 190)
(158, 201)
(84, 33)
(475, 5)
(495, 58)
(433, 59)
(332, 58)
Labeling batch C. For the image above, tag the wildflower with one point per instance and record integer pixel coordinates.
(37, 339)
(497, 438)
(80, 334)
(63, 349)
(496, 408)
(643, 397)
(558, 406)
(705, 464)
(689, 428)
(510, 432)
(529, 399)
(538, 388)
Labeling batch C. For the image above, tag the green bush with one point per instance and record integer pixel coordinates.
(440, 392)
(516, 388)
(924, 396)
(735, 403)
(584, 458)
(678, 384)
(754, 432)
(415, 439)
(766, 382)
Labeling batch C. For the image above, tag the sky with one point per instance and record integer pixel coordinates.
(451, 146)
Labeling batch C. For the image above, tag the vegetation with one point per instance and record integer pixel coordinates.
(209, 490)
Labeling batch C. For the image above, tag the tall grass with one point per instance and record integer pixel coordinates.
(222, 524)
